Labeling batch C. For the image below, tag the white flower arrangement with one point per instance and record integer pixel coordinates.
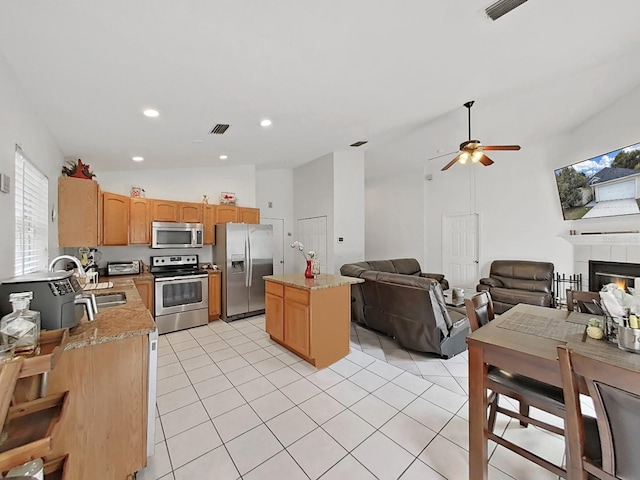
(310, 255)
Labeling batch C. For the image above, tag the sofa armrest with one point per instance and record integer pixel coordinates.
(492, 282)
(436, 276)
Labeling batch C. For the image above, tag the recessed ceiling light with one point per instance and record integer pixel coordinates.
(265, 123)
(223, 157)
(151, 113)
(137, 159)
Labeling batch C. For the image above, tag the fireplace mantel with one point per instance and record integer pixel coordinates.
(604, 239)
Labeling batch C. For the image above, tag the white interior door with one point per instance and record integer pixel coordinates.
(278, 243)
(312, 233)
(460, 249)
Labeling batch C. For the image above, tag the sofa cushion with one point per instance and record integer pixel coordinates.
(407, 266)
(523, 275)
(382, 266)
(514, 296)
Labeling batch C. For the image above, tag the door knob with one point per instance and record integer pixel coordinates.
(281, 261)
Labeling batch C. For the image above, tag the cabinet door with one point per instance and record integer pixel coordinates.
(77, 212)
(165, 211)
(248, 215)
(139, 221)
(274, 316)
(190, 212)
(145, 289)
(210, 224)
(296, 325)
(116, 219)
(214, 296)
(226, 214)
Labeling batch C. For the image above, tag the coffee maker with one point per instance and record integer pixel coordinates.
(89, 258)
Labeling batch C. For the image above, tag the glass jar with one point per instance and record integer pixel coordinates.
(22, 326)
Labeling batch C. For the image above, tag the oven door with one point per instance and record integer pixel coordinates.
(181, 294)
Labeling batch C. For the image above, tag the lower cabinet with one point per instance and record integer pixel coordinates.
(313, 323)
(214, 295)
(145, 289)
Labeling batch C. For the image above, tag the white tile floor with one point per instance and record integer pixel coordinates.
(234, 404)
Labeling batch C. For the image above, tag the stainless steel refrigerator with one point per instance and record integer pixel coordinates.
(244, 253)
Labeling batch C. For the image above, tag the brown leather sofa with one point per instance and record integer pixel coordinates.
(519, 281)
(409, 307)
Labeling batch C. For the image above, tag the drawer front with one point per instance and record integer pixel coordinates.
(274, 288)
(296, 295)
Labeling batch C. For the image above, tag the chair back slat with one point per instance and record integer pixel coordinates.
(581, 301)
(479, 310)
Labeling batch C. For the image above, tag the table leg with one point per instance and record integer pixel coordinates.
(478, 461)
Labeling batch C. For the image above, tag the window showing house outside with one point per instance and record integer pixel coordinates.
(31, 199)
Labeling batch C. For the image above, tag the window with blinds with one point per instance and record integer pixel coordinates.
(31, 198)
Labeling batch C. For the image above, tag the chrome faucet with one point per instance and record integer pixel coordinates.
(81, 271)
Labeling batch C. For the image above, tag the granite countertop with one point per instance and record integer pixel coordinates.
(324, 280)
(137, 276)
(114, 323)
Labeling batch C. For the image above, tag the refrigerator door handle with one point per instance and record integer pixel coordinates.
(250, 258)
(246, 261)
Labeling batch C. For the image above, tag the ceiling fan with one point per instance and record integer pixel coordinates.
(474, 150)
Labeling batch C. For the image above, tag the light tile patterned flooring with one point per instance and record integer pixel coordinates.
(233, 404)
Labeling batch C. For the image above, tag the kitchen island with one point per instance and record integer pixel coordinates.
(105, 369)
(310, 316)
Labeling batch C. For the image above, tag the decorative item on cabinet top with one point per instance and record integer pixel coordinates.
(79, 170)
(138, 192)
(228, 198)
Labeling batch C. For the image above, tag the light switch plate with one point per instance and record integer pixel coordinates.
(5, 183)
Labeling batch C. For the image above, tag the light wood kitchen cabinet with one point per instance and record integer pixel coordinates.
(214, 295)
(165, 211)
(210, 224)
(115, 211)
(77, 212)
(190, 212)
(227, 214)
(139, 221)
(312, 322)
(145, 289)
(274, 310)
(248, 215)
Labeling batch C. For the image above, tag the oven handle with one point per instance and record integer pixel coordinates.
(183, 277)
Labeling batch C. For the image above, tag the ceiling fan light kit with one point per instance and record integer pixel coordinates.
(474, 149)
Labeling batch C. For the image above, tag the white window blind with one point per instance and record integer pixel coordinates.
(32, 197)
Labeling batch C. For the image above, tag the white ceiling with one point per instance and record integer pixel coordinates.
(327, 73)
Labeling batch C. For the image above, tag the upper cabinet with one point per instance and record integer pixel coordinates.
(210, 212)
(248, 215)
(77, 212)
(165, 211)
(190, 212)
(139, 221)
(226, 214)
(115, 219)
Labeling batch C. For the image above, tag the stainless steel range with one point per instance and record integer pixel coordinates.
(181, 292)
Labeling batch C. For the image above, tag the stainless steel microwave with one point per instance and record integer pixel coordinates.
(176, 235)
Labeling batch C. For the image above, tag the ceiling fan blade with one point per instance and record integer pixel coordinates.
(486, 161)
(442, 155)
(450, 164)
(501, 147)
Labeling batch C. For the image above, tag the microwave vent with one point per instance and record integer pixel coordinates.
(219, 129)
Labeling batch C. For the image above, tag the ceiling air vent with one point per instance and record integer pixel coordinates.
(359, 144)
(501, 7)
(219, 129)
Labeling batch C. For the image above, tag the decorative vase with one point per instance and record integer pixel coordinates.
(308, 273)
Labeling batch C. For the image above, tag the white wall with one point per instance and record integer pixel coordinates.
(516, 198)
(313, 197)
(394, 217)
(276, 186)
(348, 208)
(20, 124)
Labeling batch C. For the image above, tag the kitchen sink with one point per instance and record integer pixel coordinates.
(111, 299)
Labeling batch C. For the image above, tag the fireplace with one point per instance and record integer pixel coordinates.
(602, 273)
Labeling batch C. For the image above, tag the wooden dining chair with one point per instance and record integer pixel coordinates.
(581, 301)
(610, 450)
(527, 391)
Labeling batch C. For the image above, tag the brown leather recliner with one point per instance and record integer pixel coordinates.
(519, 281)
(408, 307)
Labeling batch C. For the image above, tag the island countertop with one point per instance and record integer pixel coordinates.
(113, 323)
(324, 280)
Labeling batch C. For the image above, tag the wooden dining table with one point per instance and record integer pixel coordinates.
(524, 340)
